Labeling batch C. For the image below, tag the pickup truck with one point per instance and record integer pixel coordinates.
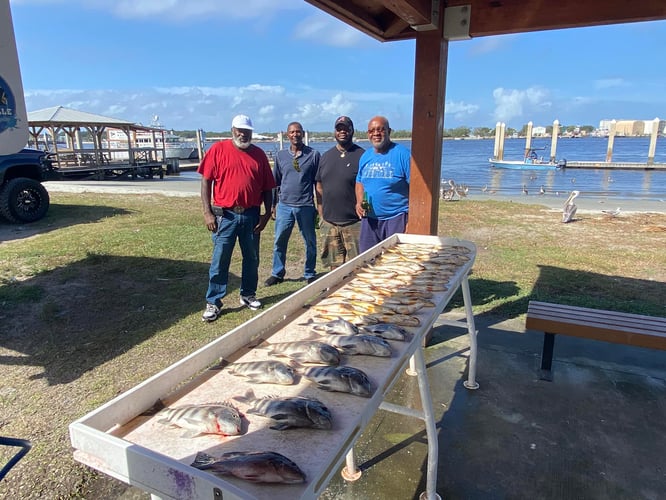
(23, 198)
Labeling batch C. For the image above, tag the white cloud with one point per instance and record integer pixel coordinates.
(514, 103)
(180, 9)
(325, 29)
(460, 110)
(607, 83)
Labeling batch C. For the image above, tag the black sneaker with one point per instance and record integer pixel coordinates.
(250, 301)
(312, 279)
(211, 313)
(273, 280)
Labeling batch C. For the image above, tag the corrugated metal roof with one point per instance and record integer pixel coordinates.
(62, 115)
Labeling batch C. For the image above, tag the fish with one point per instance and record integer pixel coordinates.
(197, 419)
(340, 379)
(306, 351)
(387, 331)
(264, 372)
(257, 467)
(368, 345)
(288, 412)
(334, 326)
(396, 319)
(351, 294)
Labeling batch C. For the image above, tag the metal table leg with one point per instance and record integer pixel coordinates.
(470, 383)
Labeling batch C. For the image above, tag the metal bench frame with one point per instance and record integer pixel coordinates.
(596, 324)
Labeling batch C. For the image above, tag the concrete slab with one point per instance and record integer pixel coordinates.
(597, 431)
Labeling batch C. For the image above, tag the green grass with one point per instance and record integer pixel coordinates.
(111, 288)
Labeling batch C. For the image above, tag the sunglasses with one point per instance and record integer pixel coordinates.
(295, 164)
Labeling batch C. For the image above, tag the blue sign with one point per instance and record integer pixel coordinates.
(8, 118)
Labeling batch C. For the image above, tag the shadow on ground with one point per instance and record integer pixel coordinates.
(58, 216)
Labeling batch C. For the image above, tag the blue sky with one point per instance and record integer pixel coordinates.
(197, 63)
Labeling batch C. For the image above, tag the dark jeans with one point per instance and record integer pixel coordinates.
(232, 226)
(286, 216)
(374, 230)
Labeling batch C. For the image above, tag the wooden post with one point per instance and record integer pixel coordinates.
(502, 132)
(553, 141)
(497, 141)
(281, 140)
(611, 138)
(653, 141)
(427, 130)
(528, 139)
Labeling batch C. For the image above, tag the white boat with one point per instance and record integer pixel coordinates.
(174, 145)
(530, 162)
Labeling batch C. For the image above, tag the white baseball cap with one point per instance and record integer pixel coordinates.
(242, 121)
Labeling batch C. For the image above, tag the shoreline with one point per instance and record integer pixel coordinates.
(187, 185)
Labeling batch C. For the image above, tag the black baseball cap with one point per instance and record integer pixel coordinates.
(344, 120)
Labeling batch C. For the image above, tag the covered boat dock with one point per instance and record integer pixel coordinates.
(62, 130)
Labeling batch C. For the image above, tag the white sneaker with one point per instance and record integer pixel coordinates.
(211, 313)
(250, 301)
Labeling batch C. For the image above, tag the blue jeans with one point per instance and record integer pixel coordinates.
(285, 218)
(232, 226)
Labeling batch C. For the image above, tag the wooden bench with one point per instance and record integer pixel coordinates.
(610, 326)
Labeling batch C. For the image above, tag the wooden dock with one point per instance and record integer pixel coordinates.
(614, 165)
(113, 171)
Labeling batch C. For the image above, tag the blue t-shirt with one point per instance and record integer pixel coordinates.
(385, 179)
(295, 178)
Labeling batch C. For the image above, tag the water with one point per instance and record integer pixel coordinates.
(466, 162)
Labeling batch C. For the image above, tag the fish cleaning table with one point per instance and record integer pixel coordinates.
(123, 441)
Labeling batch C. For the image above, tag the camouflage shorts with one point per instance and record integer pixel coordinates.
(340, 243)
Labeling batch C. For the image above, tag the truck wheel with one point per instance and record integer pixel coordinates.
(23, 200)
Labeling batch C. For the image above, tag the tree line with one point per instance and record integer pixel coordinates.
(450, 133)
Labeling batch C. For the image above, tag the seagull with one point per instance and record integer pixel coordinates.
(484, 188)
(570, 207)
(612, 213)
(524, 189)
(449, 194)
(542, 190)
(462, 190)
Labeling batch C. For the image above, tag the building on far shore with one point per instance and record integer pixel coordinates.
(632, 128)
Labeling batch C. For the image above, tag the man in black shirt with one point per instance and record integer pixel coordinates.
(336, 197)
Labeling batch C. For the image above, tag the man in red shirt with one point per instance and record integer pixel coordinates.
(236, 180)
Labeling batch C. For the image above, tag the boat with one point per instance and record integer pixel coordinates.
(174, 145)
(531, 162)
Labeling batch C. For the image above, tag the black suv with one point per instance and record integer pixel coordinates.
(22, 196)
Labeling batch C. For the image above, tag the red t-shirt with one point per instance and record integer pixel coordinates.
(240, 177)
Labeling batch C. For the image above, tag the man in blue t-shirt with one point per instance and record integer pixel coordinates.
(382, 186)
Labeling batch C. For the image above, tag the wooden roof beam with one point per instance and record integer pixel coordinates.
(497, 17)
(349, 12)
(413, 12)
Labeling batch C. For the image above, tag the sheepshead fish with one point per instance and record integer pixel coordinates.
(340, 379)
(289, 412)
(334, 326)
(362, 344)
(218, 418)
(257, 467)
(387, 331)
(306, 351)
(264, 372)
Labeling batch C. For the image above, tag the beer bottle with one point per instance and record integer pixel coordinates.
(365, 204)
